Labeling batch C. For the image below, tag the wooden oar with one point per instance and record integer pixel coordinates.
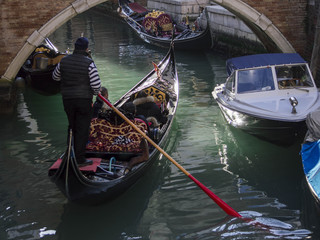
(214, 197)
(127, 17)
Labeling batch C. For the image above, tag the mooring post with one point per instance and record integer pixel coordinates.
(315, 51)
(8, 93)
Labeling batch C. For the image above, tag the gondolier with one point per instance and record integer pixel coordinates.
(79, 82)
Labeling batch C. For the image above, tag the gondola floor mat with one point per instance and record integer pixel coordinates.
(88, 168)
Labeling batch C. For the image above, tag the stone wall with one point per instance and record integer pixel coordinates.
(230, 34)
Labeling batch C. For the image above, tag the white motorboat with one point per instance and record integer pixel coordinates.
(268, 95)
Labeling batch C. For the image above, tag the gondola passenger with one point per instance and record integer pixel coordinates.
(131, 112)
(138, 159)
(147, 107)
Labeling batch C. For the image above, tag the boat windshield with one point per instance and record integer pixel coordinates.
(255, 80)
(230, 83)
(293, 76)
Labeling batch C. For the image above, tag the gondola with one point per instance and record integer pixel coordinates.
(107, 177)
(155, 27)
(37, 69)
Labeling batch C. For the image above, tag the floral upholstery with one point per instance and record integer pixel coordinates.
(106, 137)
(163, 20)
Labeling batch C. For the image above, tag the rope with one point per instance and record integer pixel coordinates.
(110, 163)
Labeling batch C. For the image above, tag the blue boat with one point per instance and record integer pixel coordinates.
(268, 95)
(310, 153)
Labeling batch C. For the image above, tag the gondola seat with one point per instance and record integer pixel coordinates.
(43, 60)
(163, 21)
(107, 137)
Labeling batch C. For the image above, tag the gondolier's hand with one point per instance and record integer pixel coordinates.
(89, 54)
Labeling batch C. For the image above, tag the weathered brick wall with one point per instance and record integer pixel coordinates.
(289, 16)
(18, 20)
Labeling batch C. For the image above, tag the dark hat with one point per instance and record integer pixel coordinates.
(82, 43)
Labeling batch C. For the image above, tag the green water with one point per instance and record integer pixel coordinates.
(252, 176)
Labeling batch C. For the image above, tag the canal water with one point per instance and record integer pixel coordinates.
(261, 181)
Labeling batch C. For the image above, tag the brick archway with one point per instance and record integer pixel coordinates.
(262, 26)
(280, 25)
(38, 36)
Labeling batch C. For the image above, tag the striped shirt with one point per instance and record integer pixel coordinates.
(95, 81)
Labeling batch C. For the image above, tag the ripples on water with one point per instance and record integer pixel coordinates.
(261, 181)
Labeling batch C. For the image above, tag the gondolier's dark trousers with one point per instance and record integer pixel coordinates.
(79, 113)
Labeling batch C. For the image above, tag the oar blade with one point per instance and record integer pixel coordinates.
(216, 199)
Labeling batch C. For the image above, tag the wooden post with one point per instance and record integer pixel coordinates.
(8, 93)
(316, 47)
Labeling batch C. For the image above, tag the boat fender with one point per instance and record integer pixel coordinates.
(112, 160)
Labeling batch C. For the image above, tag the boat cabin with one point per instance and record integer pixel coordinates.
(268, 72)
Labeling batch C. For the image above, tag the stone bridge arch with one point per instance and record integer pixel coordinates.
(72, 8)
(260, 24)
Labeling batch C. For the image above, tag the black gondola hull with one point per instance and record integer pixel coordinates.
(198, 42)
(41, 80)
(81, 190)
(38, 69)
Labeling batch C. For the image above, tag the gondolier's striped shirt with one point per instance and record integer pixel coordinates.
(95, 81)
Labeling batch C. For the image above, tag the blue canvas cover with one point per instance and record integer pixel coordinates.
(260, 60)
(310, 154)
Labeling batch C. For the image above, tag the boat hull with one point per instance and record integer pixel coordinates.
(201, 41)
(310, 153)
(92, 192)
(38, 69)
(41, 81)
(274, 131)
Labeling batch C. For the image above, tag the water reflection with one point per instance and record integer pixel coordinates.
(278, 172)
(25, 115)
(255, 227)
(114, 219)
